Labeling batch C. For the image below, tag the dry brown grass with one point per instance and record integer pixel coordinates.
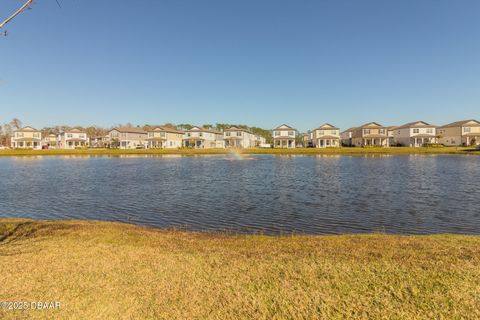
(297, 151)
(116, 271)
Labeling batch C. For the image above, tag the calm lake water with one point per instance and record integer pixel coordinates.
(255, 194)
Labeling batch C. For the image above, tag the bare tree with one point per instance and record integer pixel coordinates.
(16, 123)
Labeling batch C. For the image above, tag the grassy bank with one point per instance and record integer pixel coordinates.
(115, 271)
(297, 151)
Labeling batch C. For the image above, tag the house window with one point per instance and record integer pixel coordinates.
(69, 135)
(162, 134)
(200, 134)
(466, 129)
(239, 133)
(290, 133)
(276, 133)
(366, 131)
(429, 130)
(333, 132)
(321, 133)
(188, 134)
(227, 134)
(381, 131)
(416, 130)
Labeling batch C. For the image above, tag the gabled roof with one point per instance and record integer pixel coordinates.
(129, 130)
(327, 126)
(284, 127)
(234, 128)
(370, 125)
(201, 129)
(166, 129)
(27, 129)
(350, 129)
(471, 123)
(73, 131)
(416, 124)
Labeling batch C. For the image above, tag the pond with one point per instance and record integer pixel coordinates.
(268, 194)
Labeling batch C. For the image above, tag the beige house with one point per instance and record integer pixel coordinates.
(284, 137)
(415, 134)
(27, 138)
(460, 133)
(128, 138)
(325, 136)
(346, 137)
(370, 134)
(238, 138)
(202, 138)
(50, 141)
(165, 137)
(72, 139)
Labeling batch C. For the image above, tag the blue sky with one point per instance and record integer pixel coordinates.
(257, 62)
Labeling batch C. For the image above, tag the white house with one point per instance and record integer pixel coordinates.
(460, 133)
(202, 138)
(27, 138)
(284, 137)
(414, 134)
(325, 136)
(72, 139)
(238, 138)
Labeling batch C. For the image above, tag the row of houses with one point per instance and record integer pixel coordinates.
(413, 134)
(158, 137)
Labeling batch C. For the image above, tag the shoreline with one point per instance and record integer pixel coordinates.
(254, 151)
(128, 271)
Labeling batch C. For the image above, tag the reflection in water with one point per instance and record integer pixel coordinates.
(325, 194)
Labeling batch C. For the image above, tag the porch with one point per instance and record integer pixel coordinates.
(471, 139)
(420, 141)
(327, 142)
(284, 143)
(376, 142)
(27, 143)
(197, 143)
(156, 143)
(233, 142)
(75, 143)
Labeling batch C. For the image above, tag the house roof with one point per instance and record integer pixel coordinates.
(416, 124)
(166, 129)
(471, 123)
(327, 126)
(201, 129)
(234, 128)
(371, 125)
(284, 127)
(129, 130)
(327, 137)
(27, 129)
(350, 129)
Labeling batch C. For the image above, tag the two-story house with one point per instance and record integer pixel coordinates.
(50, 141)
(164, 137)
(370, 134)
(27, 138)
(415, 134)
(128, 138)
(325, 136)
(72, 139)
(284, 137)
(238, 138)
(202, 138)
(346, 137)
(460, 133)
(261, 142)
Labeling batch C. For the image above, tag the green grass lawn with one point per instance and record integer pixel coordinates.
(115, 271)
(298, 151)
